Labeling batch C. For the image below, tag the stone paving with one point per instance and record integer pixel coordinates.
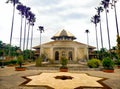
(11, 79)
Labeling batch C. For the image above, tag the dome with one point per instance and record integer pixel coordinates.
(63, 35)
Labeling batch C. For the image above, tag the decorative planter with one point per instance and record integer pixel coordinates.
(20, 68)
(63, 69)
(108, 70)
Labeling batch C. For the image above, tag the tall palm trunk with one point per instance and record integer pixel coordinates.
(31, 42)
(28, 35)
(21, 30)
(96, 36)
(87, 45)
(116, 18)
(12, 29)
(24, 35)
(40, 43)
(31, 37)
(101, 33)
(108, 30)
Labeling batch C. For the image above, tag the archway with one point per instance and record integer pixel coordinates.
(56, 56)
(70, 55)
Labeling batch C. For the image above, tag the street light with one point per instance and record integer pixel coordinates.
(41, 29)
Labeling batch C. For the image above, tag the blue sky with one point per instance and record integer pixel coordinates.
(55, 15)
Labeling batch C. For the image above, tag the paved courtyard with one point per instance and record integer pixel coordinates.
(11, 79)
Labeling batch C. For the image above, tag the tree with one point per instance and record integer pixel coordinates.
(32, 24)
(105, 4)
(118, 46)
(21, 9)
(27, 55)
(87, 31)
(14, 2)
(30, 19)
(95, 19)
(41, 29)
(1, 48)
(26, 16)
(114, 5)
(99, 10)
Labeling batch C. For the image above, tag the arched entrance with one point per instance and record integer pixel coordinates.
(56, 56)
(70, 55)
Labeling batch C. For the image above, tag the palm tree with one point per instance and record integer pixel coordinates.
(41, 29)
(99, 10)
(26, 16)
(95, 19)
(30, 18)
(105, 4)
(14, 2)
(87, 31)
(114, 5)
(32, 24)
(21, 8)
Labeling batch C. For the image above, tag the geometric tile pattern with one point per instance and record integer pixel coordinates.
(78, 81)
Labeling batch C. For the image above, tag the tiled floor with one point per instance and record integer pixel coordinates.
(11, 79)
(78, 80)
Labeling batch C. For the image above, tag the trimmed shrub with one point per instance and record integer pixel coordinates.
(39, 62)
(108, 63)
(94, 63)
(63, 62)
(20, 60)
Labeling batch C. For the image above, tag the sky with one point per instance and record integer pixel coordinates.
(55, 15)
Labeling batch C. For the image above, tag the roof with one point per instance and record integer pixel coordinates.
(63, 33)
(53, 43)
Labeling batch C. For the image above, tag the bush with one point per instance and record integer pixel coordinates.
(94, 63)
(39, 62)
(20, 60)
(63, 62)
(108, 63)
(13, 61)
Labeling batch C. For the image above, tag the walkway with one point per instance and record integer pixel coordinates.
(11, 79)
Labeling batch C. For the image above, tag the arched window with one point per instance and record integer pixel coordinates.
(56, 55)
(70, 55)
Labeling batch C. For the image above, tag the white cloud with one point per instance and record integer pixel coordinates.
(55, 15)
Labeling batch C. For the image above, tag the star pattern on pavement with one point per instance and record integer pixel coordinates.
(78, 81)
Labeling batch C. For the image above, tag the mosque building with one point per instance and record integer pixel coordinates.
(64, 45)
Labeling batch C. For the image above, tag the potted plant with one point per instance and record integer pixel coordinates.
(64, 67)
(20, 62)
(108, 65)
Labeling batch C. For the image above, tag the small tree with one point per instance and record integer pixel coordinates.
(63, 62)
(39, 61)
(20, 60)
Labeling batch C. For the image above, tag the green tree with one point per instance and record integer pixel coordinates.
(14, 2)
(105, 4)
(28, 54)
(99, 10)
(118, 46)
(95, 19)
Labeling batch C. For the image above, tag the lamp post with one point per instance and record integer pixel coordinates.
(41, 29)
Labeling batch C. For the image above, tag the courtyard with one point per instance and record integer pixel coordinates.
(44, 78)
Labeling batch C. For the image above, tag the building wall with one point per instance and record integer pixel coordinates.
(64, 48)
